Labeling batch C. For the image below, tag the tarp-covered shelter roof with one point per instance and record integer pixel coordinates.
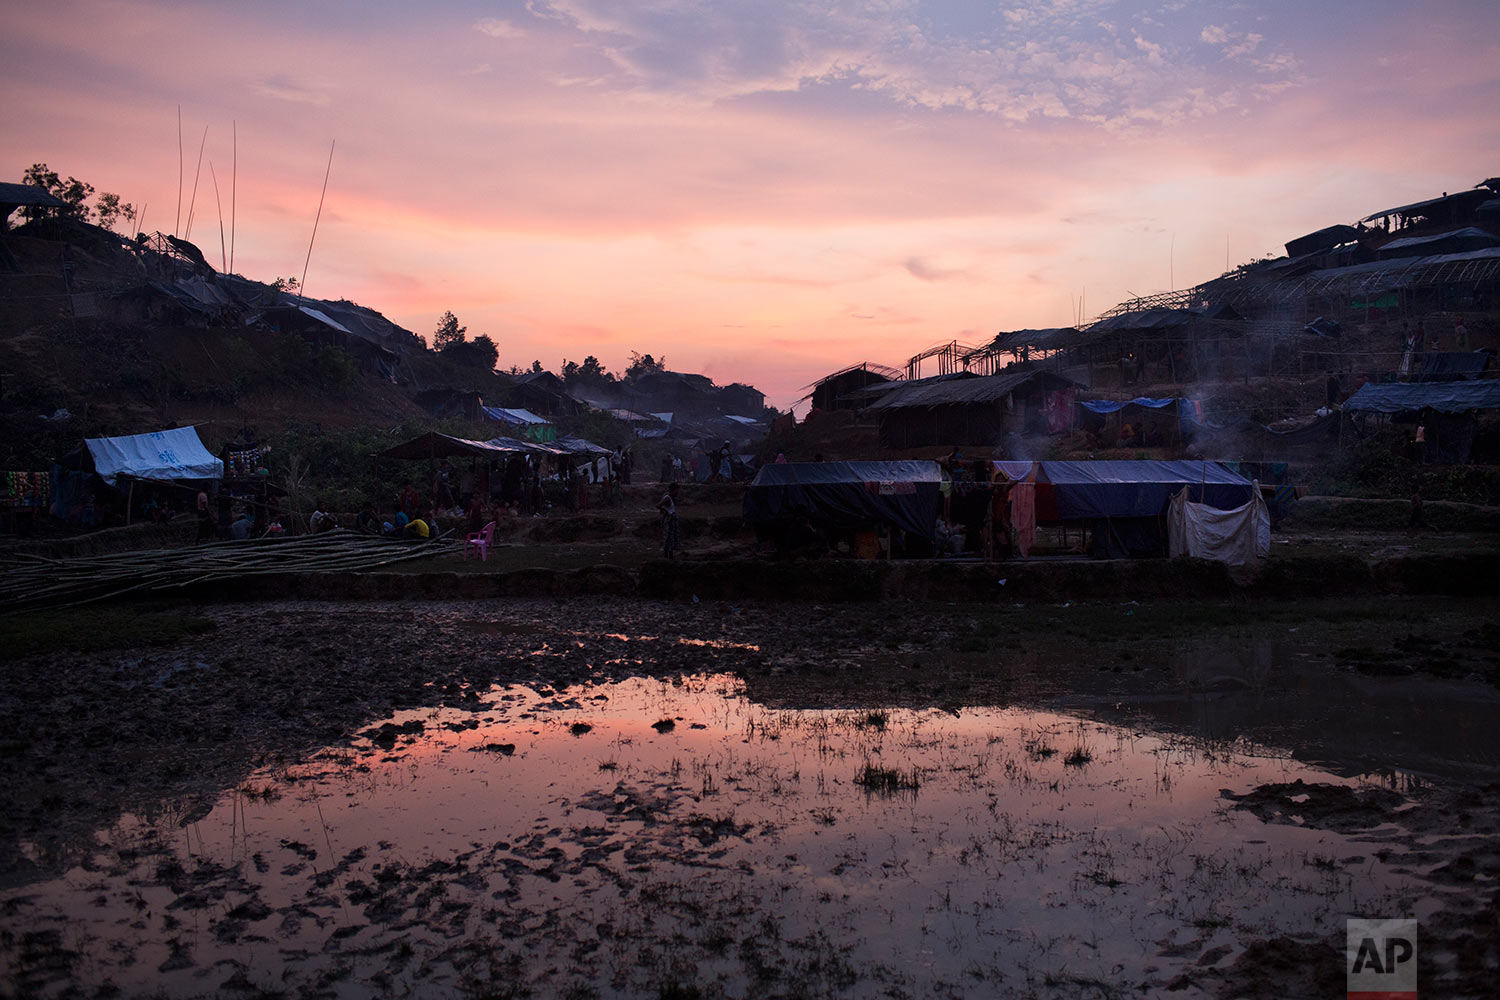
(1162, 318)
(1375, 277)
(1415, 208)
(514, 415)
(632, 417)
(1324, 239)
(946, 391)
(579, 446)
(435, 445)
(1052, 339)
(1453, 241)
(171, 454)
(197, 294)
(904, 494)
(323, 318)
(16, 195)
(1451, 366)
(1113, 405)
(1410, 397)
(1139, 488)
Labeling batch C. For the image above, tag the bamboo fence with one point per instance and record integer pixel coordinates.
(31, 582)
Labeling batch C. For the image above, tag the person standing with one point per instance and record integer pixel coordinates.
(671, 528)
(207, 529)
(1460, 334)
(442, 484)
(410, 500)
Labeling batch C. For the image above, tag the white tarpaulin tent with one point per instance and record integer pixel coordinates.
(1236, 537)
(170, 454)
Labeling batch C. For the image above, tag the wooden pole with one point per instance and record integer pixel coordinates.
(302, 287)
(187, 230)
(234, 183)
(178, 220)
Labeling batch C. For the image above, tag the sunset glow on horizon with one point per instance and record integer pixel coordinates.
(762, 192)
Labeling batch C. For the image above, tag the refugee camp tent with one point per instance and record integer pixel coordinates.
(173, 456)
(1445, 410)
(435, 445)
(1453, 366)
(972, 411)
(1409, 397)
(1182, 428)
(1237, 537)
(522, 423)
(1125, 502)
(578, 446)
(847, 495)
(166, 455)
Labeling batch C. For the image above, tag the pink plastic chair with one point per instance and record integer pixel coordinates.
(479, 542)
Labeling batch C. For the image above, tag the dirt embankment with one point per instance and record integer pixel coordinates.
(839, 580)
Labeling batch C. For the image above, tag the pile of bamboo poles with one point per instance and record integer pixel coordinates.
(29, 582)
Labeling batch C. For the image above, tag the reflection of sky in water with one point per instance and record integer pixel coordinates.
(736, 839)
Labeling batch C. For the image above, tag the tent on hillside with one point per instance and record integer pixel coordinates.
(1447, 412)
(1161, 421)
(845, 497)
(522, 423)
(435, 445)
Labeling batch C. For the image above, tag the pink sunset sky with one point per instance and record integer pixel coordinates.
(762, 191)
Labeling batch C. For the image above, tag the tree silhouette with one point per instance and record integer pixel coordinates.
(448, 332)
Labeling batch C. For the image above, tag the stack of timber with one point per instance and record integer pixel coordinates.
(29, 581)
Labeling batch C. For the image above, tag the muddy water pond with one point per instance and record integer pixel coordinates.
(675, 838)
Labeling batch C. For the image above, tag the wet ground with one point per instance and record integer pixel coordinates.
(632, 798)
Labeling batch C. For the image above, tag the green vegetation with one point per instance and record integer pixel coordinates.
(1376, 468)
(88, 630)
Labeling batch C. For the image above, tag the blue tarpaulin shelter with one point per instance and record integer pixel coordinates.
(1453, 366)
(527, 425)
(1187, 410)
(1410, 397)
(1111, 406)
(1125, 502)
(1139, 489)
(171, 454)
(848, 494)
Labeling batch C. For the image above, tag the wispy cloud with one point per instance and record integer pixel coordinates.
(284, 88)
(921, 267)
(497, 27)
(1053, 60)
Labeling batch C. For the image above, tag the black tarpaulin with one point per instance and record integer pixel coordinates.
(848, 494)
(1139, 489)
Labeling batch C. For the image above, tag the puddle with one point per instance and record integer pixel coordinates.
(1343, 720)
(617, 840)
